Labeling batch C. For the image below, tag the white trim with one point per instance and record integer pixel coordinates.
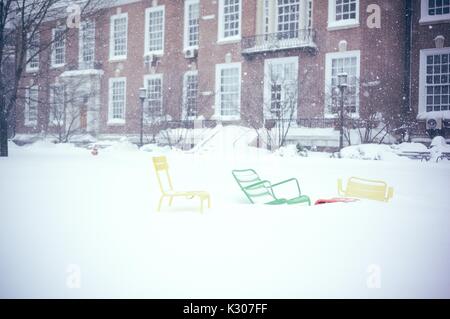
(159, 76)
(113, 57)
(146, 31)
(187, 4)
(342, 24)
(218, 102)
(184, 110)
(220, 29)
(426, 18)
(81, 44)
(27, 121)
(53, 53)
(328, 70)
(112, 121)
(422, 108)
(267, 90)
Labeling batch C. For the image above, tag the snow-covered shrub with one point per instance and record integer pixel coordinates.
(369, 152)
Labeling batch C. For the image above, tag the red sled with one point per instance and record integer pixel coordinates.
(335, 200)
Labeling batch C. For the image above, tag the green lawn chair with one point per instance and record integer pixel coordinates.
(256, 188)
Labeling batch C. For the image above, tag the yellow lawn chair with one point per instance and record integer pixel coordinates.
(366, 188)
(162, 174)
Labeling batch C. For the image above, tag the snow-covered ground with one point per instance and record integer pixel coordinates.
(68, 217)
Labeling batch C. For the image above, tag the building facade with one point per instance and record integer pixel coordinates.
(247, 62)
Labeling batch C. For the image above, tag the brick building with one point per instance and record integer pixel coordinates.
(239, 61)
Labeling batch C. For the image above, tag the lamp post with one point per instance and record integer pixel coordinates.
(342, 85)
(142, 97)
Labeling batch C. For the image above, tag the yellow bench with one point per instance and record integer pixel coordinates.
(365, 188)
(165, 185)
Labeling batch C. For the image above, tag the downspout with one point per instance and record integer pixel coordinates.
(407, 110)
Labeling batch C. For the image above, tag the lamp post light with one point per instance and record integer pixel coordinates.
(342, 85)
(142, 97)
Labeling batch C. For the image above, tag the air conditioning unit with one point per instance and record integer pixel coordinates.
(150, 60)
(434, 124)
(190, 53)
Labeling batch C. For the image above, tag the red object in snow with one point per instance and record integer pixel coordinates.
(335, 200)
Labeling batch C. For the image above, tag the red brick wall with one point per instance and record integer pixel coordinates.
(382, 53)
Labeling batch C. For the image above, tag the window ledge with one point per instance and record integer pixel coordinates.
(32, 70)
(159, 53)
(434, 19)
(57, 66)
(116, 122)
(118, 59)
(332, 26)
(195, 47)
(229, 40)
(30, 124)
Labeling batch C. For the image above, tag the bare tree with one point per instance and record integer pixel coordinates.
(20, 21)
(279, 109)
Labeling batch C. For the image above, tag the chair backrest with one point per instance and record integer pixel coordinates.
(162, 174)
(370, 189)
(248, 177)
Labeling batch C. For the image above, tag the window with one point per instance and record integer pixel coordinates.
(117, 100)
(434, 80)
(190, 94)
(57, 104)
(288, 18)
(31, 105)
(153, 84)
(343, 13)
(342, 62)
(228, 91)
(191, 20)
(229, 20)
(280, 87)
(154, 34)
(87, 45)
(118, 37)
(310, 14)
(33, 52)
(435, 10)
(59, 47)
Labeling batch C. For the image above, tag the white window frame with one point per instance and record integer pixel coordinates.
(426, 18)
(187, 5)
(54, 64)
(328, 75)
(146, 79)
(112, 55)
(268, 63)
(147, 51)
(185, 92)
(30, 68)
(342, 24)
(221, 36)
(81, 62)
(218, 96)
(423, 73)
(111, 120)
(28, 101)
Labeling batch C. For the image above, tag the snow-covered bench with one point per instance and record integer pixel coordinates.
(416, 155)
(442, 156)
